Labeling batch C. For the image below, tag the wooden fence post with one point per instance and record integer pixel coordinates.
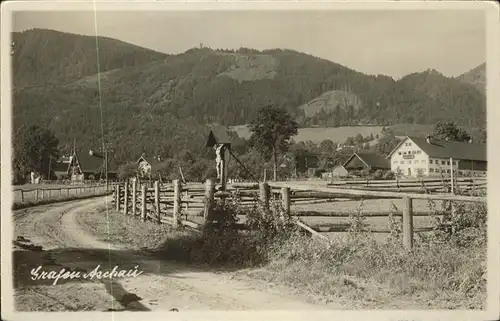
(177, 200)
(143, 202)
(407, 223)
(22, 196)
(134, 197)
(186, 206)
(209, 198)
(43, 193)
(264, 195)
(117, 198)
(36, 195)
(157, 201)
(125, 199)
(285, 195)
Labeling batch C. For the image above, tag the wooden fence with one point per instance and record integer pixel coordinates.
(189, 205)
(462, 185)
(39, 194)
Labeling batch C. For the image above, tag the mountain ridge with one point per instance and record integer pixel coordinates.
(148, 94)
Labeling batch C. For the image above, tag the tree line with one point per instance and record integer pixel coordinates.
(271, 148)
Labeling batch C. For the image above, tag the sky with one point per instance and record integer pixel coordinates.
(393, 43)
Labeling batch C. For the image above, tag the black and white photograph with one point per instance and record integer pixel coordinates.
(220, 158)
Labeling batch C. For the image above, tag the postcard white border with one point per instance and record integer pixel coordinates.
(492, 14)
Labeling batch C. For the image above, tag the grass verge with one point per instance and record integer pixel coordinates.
(443, 271)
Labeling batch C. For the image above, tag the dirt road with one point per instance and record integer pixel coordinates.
(161, 285)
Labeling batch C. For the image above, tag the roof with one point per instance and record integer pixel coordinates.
(93, 164)
(371, 160)
(60, 167)
(446, 149)
(152, 161)
(217, 135)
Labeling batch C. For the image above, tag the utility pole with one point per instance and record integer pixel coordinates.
(50, 163)
(104, 157)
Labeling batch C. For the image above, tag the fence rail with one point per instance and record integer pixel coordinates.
(190, 205)
(464, 185)
(42, 194)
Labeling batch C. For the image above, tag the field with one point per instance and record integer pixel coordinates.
(317, 135)
(340, 134)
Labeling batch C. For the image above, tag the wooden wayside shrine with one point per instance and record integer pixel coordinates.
(221, 142)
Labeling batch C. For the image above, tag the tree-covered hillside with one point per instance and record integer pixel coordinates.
(475, 77)
(44, 57)
(156, 103)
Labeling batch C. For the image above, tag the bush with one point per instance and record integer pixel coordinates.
(389, 175)
(378, 174)
(318, 172)
(63, 177)
(364, 173)
(447, 268)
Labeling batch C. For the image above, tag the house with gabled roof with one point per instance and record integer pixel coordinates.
(368, 161)
(147, 167)
(81, 166)
(432, 157)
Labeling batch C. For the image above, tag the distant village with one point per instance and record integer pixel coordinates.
(413, 157)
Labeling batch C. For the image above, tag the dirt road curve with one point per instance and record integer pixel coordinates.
(162, 285)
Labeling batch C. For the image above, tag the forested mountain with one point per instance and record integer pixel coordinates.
(475, 77)
(44, 57)
(159, 104)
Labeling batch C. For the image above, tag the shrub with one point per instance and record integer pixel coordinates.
(389, 175)
(63, 177)
(364, 173)
(378, 174)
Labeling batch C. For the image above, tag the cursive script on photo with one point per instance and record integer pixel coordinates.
(96, 274)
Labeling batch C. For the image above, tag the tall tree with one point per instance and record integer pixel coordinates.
(450, 131)
(35, 148)
(271, 132)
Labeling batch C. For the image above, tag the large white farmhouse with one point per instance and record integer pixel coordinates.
(431, 157)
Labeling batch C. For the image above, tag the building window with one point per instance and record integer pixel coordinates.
(430, 161)
(431, 170)
(402, 162)
(395, 162)
(448, 163)
(443, 162)
(422, 161)
(416, 161)
(409, 161)
(399, 153)
(448, 171)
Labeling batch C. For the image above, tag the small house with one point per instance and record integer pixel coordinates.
(339, 171)
(366, 161)
(82, 166)
(148, 167)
